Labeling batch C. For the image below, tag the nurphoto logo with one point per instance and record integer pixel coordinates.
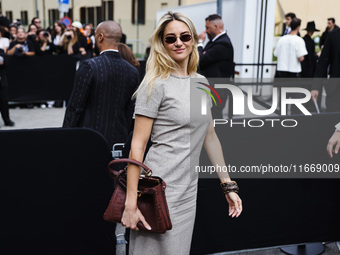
(239, 97)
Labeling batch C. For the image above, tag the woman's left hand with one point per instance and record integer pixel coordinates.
(235, 204)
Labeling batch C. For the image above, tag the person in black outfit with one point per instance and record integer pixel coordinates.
(37, 22)
(13, 29)
(5, 23)
(21, 46)
(308, 64)
(329, 60)
(32, 33)
(123, 39)
(83, 45)
(4, 91)
(89, 35)
(330, 27)
(44, 46)
(69, 43)
(217, 57)
(103, 87)
(57, 31)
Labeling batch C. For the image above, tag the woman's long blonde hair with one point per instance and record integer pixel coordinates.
(159, 63)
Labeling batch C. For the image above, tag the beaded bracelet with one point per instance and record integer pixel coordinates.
(228, 187)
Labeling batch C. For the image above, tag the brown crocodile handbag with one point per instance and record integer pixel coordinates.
(151, 199)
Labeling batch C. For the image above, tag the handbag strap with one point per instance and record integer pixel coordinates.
(115, 173)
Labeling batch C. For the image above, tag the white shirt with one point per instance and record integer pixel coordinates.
(56, 39)
(217, 36)
(287, 31)
(108, 50)
(4, 42)
(200, 42)
(288, 50)
(337, 127)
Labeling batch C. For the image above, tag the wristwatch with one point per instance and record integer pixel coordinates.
(337, 127)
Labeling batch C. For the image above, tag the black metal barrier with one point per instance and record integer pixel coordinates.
(54, 189)
(40, 78)
(277, 211)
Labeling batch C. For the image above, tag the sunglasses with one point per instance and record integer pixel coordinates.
(173, 39)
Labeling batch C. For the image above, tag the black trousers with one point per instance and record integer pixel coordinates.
(284, 74)
(4, 103)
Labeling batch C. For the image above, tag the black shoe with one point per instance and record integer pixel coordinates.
(9, 123)
(58, 104)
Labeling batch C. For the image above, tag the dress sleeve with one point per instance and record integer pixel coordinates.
(149, 105)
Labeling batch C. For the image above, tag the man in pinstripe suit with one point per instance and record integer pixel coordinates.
(101, 96)
(103, 87)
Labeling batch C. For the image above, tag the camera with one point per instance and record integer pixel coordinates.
(68, 35)
(19, 52)
(32, 37)
(45, 34)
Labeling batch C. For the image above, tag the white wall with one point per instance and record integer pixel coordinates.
(242, 22)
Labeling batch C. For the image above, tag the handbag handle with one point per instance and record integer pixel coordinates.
(131, 161)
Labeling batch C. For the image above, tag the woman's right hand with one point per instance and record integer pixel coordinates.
(131, 216)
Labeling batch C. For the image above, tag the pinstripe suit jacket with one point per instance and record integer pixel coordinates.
(101, 96)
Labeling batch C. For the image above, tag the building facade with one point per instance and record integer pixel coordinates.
(313, 10)
(137, 17)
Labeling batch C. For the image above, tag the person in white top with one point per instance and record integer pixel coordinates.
(290, 51)
(58, 30)
(4, 42)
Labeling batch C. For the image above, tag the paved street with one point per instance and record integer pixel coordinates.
(35, 118)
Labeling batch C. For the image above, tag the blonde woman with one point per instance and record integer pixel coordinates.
(163, 111)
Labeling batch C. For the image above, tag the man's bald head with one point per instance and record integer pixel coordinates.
(111, 30)
(107, 35)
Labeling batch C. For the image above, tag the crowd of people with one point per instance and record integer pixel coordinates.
(102, 100)
(76, 40)
(297, 57)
